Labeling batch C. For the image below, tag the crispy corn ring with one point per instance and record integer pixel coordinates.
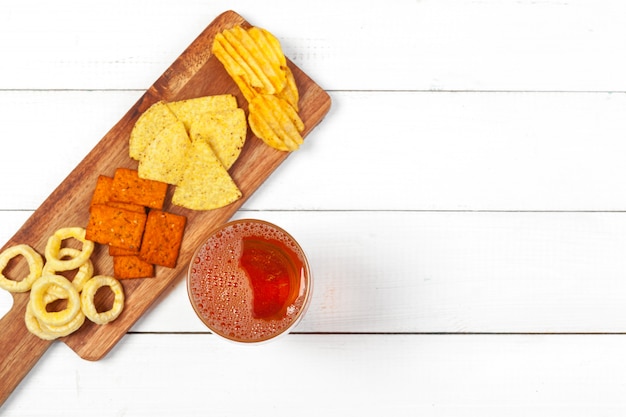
(33, 325)
(48, 332)
(89, 291)
(38, 300)
(35, 265)
(65, 329)
(53, 249)
(85, 271)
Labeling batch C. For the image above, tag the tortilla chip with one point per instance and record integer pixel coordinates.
(128, 267)
(148, 125)
(116, 227)
(224, 131)
(206, 184)
(165, 158)
(195, 108)
(162, 238)
(127, 187)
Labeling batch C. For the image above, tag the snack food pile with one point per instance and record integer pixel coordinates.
(46, 285)
(126, 214)
(190, 144)
(255, 61)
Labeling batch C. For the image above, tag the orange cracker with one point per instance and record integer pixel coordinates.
(162, 238)
(127, 187)
(115, 251)
(102, 192)
(129, 266)
(102, 195)
(127, 206)
(115, 226)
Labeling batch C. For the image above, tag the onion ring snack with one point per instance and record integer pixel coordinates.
(50, 332)
(65, 329)
(33, 325)
(35, 265)
(53, 249)
(38, 300)
(84, 273)
(87, 299)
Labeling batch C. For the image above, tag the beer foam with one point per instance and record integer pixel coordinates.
(221, 291)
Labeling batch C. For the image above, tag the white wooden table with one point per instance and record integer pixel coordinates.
(462, 205)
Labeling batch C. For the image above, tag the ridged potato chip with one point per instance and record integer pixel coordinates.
(250, 64)
(269, 44)
(274, 121)
(255, 61)
(290, 93)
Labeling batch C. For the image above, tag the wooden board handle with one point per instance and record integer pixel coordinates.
(19, 349)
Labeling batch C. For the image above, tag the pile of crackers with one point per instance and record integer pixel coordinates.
(126, 213)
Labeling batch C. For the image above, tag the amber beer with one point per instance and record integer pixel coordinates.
(249, 281)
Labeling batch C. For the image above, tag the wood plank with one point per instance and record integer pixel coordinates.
(421, 272)
(421, 151)
(48, 133)
(194, 73)
(406, 375)
(499, 45)
(448, 272)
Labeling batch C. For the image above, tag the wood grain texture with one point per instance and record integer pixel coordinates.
(393, 150)
(195, 73)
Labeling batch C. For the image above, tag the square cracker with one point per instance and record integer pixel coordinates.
(162, 238)
(127, 187)
(131, 266)
(102, 195)
(115, 226)
(117, 251)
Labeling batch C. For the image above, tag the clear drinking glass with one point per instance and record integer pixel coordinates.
(249, 281)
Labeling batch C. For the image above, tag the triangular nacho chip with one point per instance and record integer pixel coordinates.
(224, 131)
(165, 158)
(206, 184)
(148, 125)
(196, 108)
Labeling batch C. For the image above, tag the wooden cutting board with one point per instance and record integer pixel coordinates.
(195, 73)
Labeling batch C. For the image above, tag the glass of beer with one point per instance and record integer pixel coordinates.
(249, 281)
